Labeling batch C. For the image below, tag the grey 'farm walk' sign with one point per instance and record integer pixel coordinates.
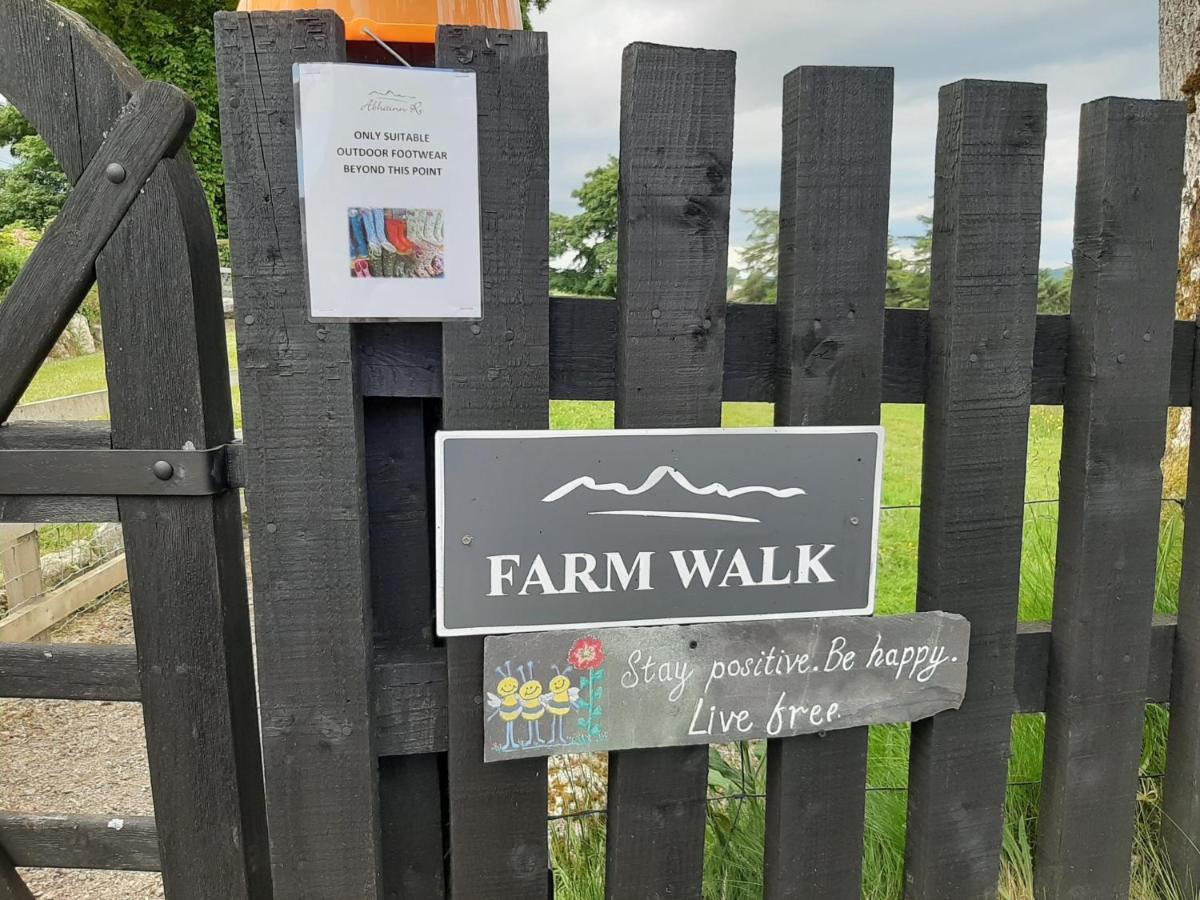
(542, 530)
(619, 688)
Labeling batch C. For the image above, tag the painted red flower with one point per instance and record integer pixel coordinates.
(588, 653)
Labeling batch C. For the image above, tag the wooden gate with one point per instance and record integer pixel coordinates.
(372, 727)
(137, 223)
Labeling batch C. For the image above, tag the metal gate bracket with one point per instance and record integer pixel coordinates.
(114, 473)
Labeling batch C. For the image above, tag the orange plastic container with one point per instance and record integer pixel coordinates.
(403, 21)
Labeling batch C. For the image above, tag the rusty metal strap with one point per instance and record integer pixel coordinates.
(108, 473)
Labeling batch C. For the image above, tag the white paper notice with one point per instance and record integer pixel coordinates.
(389, 190)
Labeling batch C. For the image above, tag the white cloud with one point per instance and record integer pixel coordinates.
(1081, 49)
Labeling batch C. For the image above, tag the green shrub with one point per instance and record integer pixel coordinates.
(90, 307)
(16, 246)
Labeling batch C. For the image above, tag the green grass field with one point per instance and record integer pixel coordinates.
(737, 774)
(82, 374)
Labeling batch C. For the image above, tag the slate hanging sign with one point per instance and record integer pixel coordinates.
(621, 688)
(545, 530)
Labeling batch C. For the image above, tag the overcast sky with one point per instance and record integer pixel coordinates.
(1081, 49)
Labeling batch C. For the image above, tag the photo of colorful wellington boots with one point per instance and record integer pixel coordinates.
(359, 249)
(396, 243)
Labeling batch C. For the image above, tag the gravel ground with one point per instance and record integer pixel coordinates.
(79, 757)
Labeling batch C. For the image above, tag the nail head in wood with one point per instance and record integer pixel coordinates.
(115, 172)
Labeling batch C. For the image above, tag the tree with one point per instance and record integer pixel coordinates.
(526, 5)
(168, 40)
(908, 274)
(587, 241)
(1054, 292)
(33, 190)
(585, 247)
(757, 279)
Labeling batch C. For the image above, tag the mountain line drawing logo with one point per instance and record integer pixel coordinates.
(587, 482)
(390, 101)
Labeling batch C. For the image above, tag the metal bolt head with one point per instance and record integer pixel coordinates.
(466, 539)
(114, 172)
(854, 520)
(163, 470)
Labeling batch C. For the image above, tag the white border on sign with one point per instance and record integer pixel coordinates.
(440, 533)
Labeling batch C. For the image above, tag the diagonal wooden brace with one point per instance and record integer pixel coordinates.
(11, 885)
(40, 303)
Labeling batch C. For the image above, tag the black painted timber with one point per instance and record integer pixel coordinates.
(1181, 790)
(676, 161)
(986, 237)
(1114, 422)
(56, 435)
(69, 671)
(410, 789)
(305, 480)
(12, 886)
(82, 842)
(837, 142)
(405, 361)
(56, 278)
(496, 374)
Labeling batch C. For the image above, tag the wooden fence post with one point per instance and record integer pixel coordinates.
(20, 564)
(1114, 421)
(1181, 788)
(410, 787)
(305, 485)
(982, 316)
(833, 212)
(497, 375)
(676, 159)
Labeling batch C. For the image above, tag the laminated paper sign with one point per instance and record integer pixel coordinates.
(541, 530)
(389, 189)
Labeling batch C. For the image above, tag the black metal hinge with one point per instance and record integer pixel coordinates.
(114, 473)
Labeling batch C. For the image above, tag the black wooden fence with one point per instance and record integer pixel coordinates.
(371, 727)
(342, 537)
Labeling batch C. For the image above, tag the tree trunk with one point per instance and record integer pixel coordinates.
(1179, 79)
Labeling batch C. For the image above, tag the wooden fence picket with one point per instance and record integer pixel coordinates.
(676, 159)
(982, 315)
(305, 487)
(1114, 422)
(833, 211)
(497, 375)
